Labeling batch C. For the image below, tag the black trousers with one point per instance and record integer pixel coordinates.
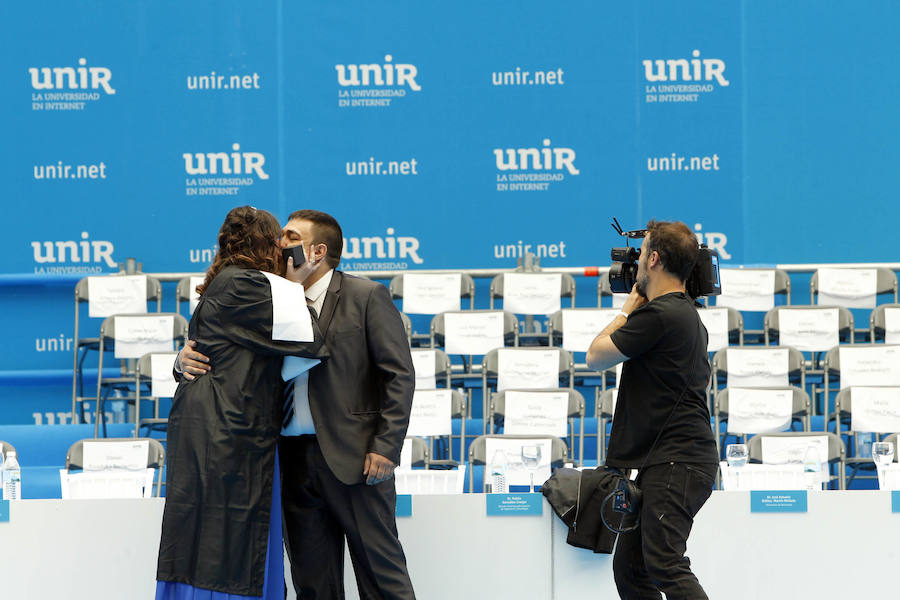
(320, 511)
(651, 559)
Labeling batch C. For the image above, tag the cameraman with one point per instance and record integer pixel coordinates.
(661, 407)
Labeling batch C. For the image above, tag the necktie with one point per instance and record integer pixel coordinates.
(288, 405)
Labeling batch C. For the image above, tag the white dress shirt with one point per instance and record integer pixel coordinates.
(302, 422)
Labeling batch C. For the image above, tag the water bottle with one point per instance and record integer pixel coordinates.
(864, 441)
(812, 469)
(12, 477)
(497, 471)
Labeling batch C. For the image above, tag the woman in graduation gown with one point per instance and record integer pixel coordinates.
(221, 530)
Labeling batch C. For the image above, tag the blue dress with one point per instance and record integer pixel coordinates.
(273, 586)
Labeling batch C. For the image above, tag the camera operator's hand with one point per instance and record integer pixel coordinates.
(634, 301)
(301, 273)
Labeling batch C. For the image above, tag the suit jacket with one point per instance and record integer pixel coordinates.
(360, 399)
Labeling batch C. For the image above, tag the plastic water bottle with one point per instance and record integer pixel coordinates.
(12, 477)
(497, 470)
(812, 469)
(864, 441)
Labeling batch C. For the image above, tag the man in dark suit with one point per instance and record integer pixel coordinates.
(345, 421)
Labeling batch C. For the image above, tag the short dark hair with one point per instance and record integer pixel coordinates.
(676, 244)
(325, 231)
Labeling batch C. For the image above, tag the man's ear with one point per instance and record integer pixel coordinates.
(320, 251)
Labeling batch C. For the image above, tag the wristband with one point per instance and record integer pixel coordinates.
(624, 314)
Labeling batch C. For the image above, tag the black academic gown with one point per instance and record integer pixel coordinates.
(223, 429)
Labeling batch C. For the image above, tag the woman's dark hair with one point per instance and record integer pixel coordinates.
(676, 244)
(248, 238)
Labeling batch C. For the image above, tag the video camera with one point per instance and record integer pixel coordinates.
(703, 280)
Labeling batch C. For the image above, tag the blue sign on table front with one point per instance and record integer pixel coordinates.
(508, 505)
(403, 507)
(4, 511)
(770, 501)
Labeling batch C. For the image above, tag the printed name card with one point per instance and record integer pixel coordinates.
(514, 505)
(117, 295)
(403, 507)
(853, 288)
(291, 321)
(162, 384)
(758, 367)
(517, 472)
(423, 364)
(527, 369)
(473, 332)
(759, 411)
(716, 322)
(744, 289)
(581, 326)
(195, 297)
(788, 450)
(536, 413)
(875, 409)
(100, 456)
(532, 293)
(892, 325)
(771, 501)
(618, 300)
(870, 365)
(431, 410)
(136, 336)
(4, 511)
(430, 294)
(813, 330)
(895, 501)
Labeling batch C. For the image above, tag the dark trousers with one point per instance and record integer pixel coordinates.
(651, 559)
(320, 511)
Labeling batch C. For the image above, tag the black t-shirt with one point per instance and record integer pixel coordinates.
(665, 343)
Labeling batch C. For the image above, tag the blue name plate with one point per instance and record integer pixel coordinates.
(403, 507)
(772, 501)
(514, 505)
(895, 501)
(4, 511)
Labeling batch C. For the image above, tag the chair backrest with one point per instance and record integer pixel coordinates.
(885, 282)
(887, 354)
(795, 365)
(588, 322)
(566, 290)
(510, 327)
(781, 287)
(179, 326)
(440, 366)
(5, 448)
(407, 327)
(878, 322)
(490, 365)
(772, 320)
(606, 403)
(184, 291)
(154, 289)
(466, 288)
(892, 439)
(843, 404)
(558, 455)
(575, 402)
(734, 329)
(836, 450)
(800, 404)
(156, 454)
(419, 455)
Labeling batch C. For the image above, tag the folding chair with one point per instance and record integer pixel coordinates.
(836, 450)
(800, 409)
(407, 327)
(419, 455)
(734, 332)
(604, 409)
(878, 322)
(156, 455)
(498, 290)
(431, 362)
(184, 291)
(438, 442)
(843, 413)
(466, 290)
(885, 285)
(128, 366)
(574, 410)
(144, 375)
(756, 372)
(85, 345)
(407, 283)
(510, 333)
(558, 452)
(491, 370)
(832, 372)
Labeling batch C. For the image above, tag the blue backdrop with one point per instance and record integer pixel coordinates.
(439, 136)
